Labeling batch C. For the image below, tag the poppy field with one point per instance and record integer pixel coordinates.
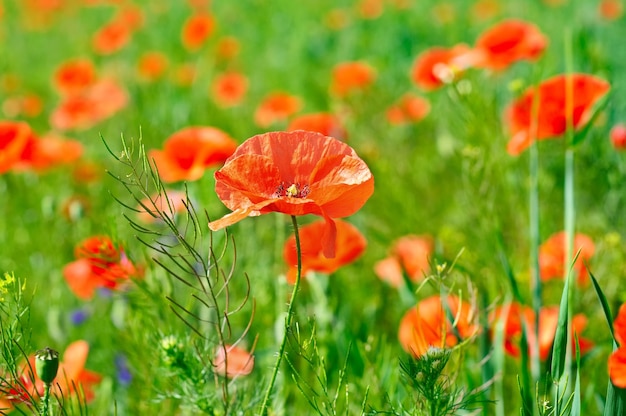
(350, 207)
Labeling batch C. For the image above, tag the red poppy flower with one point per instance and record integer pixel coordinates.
(516, 316)
(26, 105)
(349, 77)
(130, 15)
(152, 65)
(188, 152)
(617, 360)
(43, 153)
(99, 264)
(229, 89)
(507, 42)
(74, 76)
(370, 9)
(295, 173)
(552, 257)
(437, 66)
(611, 9)
(96, 103)
(276, 107)
(14, 136)
(349, 246)
(325, 123)
(196, 30)
(552, 117)
(231, 361)
(411, 254)
(173, 204)
(427, 325)
(111, 38)
(618, 136)
(409, 109)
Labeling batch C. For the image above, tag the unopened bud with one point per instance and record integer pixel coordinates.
(47, 364)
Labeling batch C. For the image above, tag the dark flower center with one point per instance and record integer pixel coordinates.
(295, 190)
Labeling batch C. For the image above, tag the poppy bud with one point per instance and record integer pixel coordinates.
(47, 364)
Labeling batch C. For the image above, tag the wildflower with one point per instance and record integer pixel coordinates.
(552, 116)
(618, 136)
(409, 109)
(611, 9)
(485, 9)
(231, 361)
(325, 123)
(370, 9)
(411, 254)
(27, 105)
(295, 173)
(276, 107)
(188, 152)
(229, 89)
(14, 136)
(173, 204)
(99, 264)
(507, 42)
(438, 66)
(427, 325)
(552, 256)
(228, 47)
(349, 77)
(185, 74)
(349, 246)
(152, 65)
(111, 38)
(44, 153)
(124, 375)
(96, 103)
(74, 76)
(196, 30)
(617, 360)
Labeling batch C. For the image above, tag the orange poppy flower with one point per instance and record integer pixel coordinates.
(27, 105)
(173, 204)
(229, 89)
(552, 257)
(111, 38)
(325, 123)
(188, 152)
(276, 107)
(14, 137)
(552, 117)
(437, 66)
(74, 76)
(349, 77)
(507, 42)
(618, 136)
(617, 360)
(411, 254)
(43, 153)
(228, 47)
(152, 65)
(370, 9)
(517, 316)
(349, 246)
(409, 109)
(130, 15)
(611, 9)
(427, 325)
(231, 361)
(72, 377)
(99, 264)
(295, 173)
(196, 30)
(98, 102)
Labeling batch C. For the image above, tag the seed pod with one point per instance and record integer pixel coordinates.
(47, 364)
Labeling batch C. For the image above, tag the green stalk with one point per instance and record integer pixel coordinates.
(288, 320)
(535, 363)
(45, 411)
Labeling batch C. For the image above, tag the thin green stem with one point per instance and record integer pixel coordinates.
(535, 363)
(45, 411)
(288, 320)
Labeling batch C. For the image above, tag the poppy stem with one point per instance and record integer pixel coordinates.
(288, 320)
(45, 411)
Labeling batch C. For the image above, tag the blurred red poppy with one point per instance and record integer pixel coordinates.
(276, 107)
(100, 264)
(188, 152)
(196, 30)
(516, 316)
(507, 42)
(409, 109)
(295, 173)
(173, 204)
(231, 361)
(552, 114)
(74, 76)
(552, 257)
(130, 15)
(427, 324)
(410, 254)
(44, 153)
(14, 137)
(26, 105)
(617, 360)
(152, 65)
(349, 77)
(438, 66)
(95, 104)
(228, 47)
(611, 9)
(618, 136)
(370, 9)
(349, 246)
(111, 38)
(325, 123)
(229, 89)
